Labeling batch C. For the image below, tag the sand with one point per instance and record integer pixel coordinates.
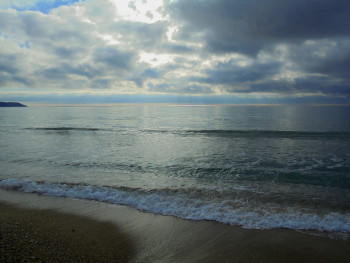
(133, 236)
(48, 236)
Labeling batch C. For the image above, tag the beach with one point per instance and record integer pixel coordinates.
(174, 131)
(165, 183)
(68, 230)
(48, 236)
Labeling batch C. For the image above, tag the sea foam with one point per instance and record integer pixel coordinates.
(181, 205)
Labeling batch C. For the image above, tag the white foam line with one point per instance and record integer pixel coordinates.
(180, 205)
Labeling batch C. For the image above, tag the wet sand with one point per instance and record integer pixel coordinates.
(155, 238)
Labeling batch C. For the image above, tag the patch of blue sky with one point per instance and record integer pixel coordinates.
(24, 45)
(3, 35)
(45, 6)
(21, 45)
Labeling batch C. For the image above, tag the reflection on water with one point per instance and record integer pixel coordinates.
(247, 160)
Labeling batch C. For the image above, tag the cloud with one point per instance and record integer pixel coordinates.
(231, 73)
(112, 58)
(143, 36)
(262, 48)
(329, 57)
(249, 26)
(305, 43)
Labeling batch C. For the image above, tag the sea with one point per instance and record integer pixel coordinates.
(254, 166)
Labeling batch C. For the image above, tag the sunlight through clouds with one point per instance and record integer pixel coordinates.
(156, 59)
(176, 47)
(146, 11)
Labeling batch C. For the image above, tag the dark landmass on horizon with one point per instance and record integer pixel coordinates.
(11, 104)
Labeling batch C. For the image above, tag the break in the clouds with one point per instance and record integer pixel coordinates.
(248, 50)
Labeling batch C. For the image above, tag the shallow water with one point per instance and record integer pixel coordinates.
(254, 166)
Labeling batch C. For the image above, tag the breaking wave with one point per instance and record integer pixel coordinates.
(196, 206)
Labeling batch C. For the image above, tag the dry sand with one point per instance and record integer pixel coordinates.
(154, 238)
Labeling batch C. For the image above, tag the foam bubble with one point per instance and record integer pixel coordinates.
(182, 205)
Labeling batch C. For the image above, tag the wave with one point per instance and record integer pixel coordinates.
(254, 134)
(64, 129)
(253, 171)
(260, 134)
(193, 207)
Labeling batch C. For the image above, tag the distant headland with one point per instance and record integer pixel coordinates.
(11, 104)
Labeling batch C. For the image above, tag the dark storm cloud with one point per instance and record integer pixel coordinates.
(310, 85)
(330, 58)
(315, 35)
(248, 26)
(339, 67)
(231, 73)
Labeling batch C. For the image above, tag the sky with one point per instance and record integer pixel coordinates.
(186, 51)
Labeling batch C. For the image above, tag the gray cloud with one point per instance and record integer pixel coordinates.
(231, 73)
(310, 85)
(314, 37)
(8, 80)
(113, 58)
(337, 67)
(249, 26)
(177, 48)
(63, 71)
(8, 64)
(149, 73)
(67, 52)
(328, 57)
(45, 29)
(10, 73)
(209, 47)
(142, 35)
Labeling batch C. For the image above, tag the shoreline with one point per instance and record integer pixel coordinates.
(157, 238)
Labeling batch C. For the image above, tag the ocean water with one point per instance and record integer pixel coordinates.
(257, 167)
